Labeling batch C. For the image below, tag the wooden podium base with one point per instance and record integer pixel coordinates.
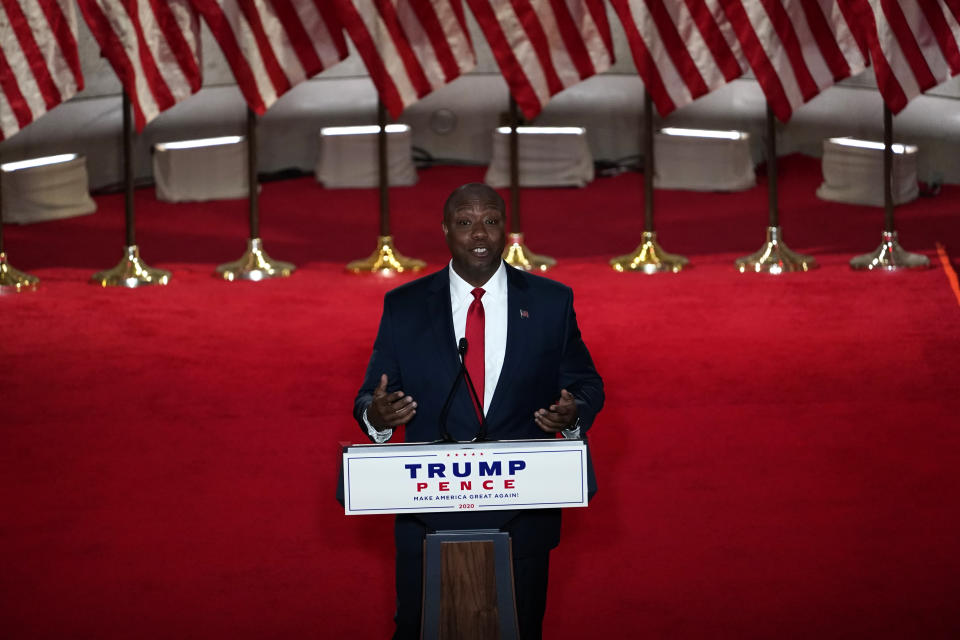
(468, 586)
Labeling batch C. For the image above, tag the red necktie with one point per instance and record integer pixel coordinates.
(474, 335)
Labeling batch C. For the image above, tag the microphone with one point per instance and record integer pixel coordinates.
(477, 401)
(445, 411)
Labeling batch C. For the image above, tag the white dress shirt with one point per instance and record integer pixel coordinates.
(494, 326)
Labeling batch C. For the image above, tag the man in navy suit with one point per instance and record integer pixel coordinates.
(536, 380)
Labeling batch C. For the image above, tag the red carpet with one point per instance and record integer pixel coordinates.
(779, 456)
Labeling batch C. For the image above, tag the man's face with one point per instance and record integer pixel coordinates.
(474, 227)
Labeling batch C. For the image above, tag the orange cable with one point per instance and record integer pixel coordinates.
(949, 271)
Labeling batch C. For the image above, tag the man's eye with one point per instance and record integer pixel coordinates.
(492, 221)
(463, 222)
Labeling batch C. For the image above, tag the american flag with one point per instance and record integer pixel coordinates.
(545, 46)
(797, 48)
(682, 49)
(39, 60)
(410, 47)
(914, 45)
(273, 45)
(154, 48)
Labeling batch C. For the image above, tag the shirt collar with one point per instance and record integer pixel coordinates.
(460, 289)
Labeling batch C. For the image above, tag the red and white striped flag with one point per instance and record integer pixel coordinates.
(914, 45)
(410, 47)
(545, 46)
(682, 49)
(797, 48)
(39, 62)
(154, 48)
(273, 45)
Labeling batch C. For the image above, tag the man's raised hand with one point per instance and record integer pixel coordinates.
(390, 409)
(559, 416)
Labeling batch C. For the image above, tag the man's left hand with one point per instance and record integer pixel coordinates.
(559, 416)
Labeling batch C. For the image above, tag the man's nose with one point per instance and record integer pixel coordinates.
(478, 230)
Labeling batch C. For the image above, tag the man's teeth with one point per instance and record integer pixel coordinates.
(480, 251)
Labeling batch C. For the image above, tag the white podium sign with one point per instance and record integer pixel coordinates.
(412, 478)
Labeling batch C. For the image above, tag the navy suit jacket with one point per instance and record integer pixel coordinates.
(416, 348)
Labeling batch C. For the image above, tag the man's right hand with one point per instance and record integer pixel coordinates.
(389, 410)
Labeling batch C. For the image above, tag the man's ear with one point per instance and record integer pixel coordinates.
(443, 225)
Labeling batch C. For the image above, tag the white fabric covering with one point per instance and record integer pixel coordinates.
(546, 160)
(47, 192)
(702, 164)
(201, 173)
(855, 175)
(350, 161)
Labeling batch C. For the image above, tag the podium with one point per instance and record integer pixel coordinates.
(468, 573)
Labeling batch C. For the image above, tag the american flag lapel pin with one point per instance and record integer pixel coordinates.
(524, 313)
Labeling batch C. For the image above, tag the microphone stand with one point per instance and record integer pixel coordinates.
(445, 411)
(477, 403)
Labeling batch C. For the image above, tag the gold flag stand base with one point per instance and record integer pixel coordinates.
(131, 272)
(649, 257)
(774, 257)
(13, 278)
(385, 260)
(255, 265)
(518, 255)
(890, 256)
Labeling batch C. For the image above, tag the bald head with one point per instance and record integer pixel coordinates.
(474, 224)
(473, 193)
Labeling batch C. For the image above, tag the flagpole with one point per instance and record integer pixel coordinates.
(649, 257)
(255, 264)
(889, 256)
(516, 252)
(131, 271)
(383, 169)
(253, 183)
(385, 259)
(774, 257)
(10, 276)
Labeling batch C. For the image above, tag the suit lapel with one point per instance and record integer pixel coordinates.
(518, 337)
(441, 323)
